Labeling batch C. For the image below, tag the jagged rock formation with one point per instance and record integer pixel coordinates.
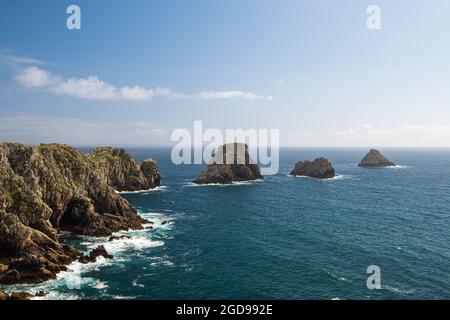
(121, 171)
(374, 159)
(48, 188)
(320, 168)
(231, 163)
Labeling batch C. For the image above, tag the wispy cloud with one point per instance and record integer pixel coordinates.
(35, 129)
(364, 129)
(93, 88)
(7, 58)
(370, 130)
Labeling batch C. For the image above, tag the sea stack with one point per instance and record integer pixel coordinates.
(231, 163)
(374, 159)
(320, 168)
(51, 188)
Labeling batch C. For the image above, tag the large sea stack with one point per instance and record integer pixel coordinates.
(320, 168)
(231, 163)
(374, 159)
(48, 188)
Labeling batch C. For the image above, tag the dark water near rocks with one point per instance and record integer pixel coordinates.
(283, 238)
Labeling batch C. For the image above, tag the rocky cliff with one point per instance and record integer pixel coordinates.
(48, 188)
(231, 163)
(320, 168)
(122, 173)
(374, 159)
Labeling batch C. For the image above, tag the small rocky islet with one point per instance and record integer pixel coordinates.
(231, 163)
(319, 168)
(51, 188)
(374, 159)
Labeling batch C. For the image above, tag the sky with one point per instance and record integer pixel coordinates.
(137, 70)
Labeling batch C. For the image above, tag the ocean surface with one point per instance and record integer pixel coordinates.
(281, 238)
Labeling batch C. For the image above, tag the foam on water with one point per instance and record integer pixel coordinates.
(161, 188)
(233, 184)
(337, 177)
(124, 245)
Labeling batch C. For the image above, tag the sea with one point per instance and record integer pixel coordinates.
(280, 238)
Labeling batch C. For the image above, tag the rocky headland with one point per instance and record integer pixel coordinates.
(231, 163)
(374, 159)
(320, 168)
(51, 188)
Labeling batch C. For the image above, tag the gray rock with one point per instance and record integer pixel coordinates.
(374, 159)
(320, 168)
(231, 163)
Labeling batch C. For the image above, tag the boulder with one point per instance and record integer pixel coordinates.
(374, 159)
(320, 168)
(231, 163)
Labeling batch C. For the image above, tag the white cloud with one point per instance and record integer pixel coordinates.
(33, 77)
(210, 95)
(364, 129)
(370, 130)
(92, 88)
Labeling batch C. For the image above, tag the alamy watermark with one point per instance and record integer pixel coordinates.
(374, 280)
(201, 147)
(73, 21)
(374, 20)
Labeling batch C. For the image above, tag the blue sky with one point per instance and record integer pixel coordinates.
(139, 69)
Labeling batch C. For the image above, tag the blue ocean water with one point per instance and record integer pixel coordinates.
(281, 238)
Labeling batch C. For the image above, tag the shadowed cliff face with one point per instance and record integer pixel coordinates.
(49, 188)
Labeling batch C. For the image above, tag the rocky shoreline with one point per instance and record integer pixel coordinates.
(51, 188)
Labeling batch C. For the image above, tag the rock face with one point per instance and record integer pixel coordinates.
(122, 173)
(48, 188)
(320, 168)
(231, 163)
(374, 159)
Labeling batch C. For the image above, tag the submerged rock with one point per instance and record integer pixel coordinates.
(374, 159)
(320, 168)
(113, 238)
(100, 251)
(48, 188)
(231, 163)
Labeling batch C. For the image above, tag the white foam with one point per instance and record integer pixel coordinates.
(161, 261)
(136, 284)
(337, 177)
(399, 167)
(122, 245)
(235, 183)
(161, 188)
(99, 285)
(397, 290)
